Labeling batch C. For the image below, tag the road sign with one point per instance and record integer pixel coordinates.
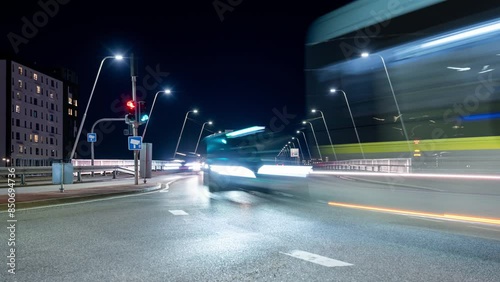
(91, 137)
(134, 142)
(294, 152)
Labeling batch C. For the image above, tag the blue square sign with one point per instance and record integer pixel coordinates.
(134, 142)
(91, 137)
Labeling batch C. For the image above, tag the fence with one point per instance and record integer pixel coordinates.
(396, 165)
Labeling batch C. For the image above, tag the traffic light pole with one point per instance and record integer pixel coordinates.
(135, 125)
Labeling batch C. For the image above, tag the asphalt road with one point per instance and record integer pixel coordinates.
(185, 233)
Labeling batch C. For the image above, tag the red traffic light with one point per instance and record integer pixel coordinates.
(130, 105)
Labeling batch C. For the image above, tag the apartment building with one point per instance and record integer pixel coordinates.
(31, 115)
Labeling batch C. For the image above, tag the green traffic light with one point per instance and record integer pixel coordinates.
(144, 118)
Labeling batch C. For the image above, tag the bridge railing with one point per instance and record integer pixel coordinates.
(392, 165)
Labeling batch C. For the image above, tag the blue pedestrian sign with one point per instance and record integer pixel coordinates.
(134, 142)
(91, 137)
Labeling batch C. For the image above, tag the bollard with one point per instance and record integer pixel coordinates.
(79, 176)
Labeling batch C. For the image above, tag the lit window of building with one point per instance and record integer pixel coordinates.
(20, 69)
(70, 112)
(35, 76)
(75, 102)
(36, 138)
(70, 100)
(18, 109)
(38, 89)
(20, 83)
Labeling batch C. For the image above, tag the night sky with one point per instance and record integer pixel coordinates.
(238, 66)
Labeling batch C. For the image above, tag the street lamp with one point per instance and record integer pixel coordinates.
(316, 140)
(307, 145)
(201, 131)
(300, 147)
(333, 90)
(182, 129)
(117, 57)
(327, 131)
(364, 55)
(166, 91)
(7, 161)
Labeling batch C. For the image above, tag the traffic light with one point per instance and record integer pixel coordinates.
(130, 106)
(130, 116)
(143, 114)
(144, 118)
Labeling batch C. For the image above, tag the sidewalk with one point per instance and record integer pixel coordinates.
(41, 195)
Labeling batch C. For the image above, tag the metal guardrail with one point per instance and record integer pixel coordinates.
(84, 166)
(25, 172)
(396, 165)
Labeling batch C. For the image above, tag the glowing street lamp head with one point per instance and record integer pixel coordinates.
(304, 122)
(195, 111)
(313, 110)
(333, 90)
(119, 57)
(294, 137)
(167, 91)
(298, 131)
(210, 123)
(365, 54)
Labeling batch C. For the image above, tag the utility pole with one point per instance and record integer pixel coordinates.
(135, 125)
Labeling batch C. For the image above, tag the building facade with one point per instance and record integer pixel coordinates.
(70, 107)
(31, 115)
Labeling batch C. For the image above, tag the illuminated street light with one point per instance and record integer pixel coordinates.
(316, 140)
(117, 57)
(364, 55)
(166, 91)
(201, 131)
(333, 90)
(327, 131)
(182, 129)
(307, 145)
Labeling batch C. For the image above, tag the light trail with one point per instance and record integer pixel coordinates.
(415, 175)
(445, 216)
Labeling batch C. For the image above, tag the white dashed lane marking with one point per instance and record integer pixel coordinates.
(314, 258)
(178, 212)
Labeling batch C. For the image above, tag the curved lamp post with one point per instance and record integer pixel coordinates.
(117, 57)
(199, 137)
(300, 147)
(327, 131)
(307, 145)
(333, 90)
(364, 55)
(182, 129)
(316, 140)
(166, 91)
